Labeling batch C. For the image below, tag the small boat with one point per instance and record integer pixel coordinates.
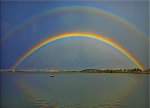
(52, 75)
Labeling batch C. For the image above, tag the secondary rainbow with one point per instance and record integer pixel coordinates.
(78, 34)
(76, 9)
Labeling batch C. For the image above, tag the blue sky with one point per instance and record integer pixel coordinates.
(73, 53)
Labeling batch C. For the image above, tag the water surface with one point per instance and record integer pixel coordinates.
(74, 90)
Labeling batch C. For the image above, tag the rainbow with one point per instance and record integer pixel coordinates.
(78, 34)
(71, 9)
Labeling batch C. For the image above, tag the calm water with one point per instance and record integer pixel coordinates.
(74, 90)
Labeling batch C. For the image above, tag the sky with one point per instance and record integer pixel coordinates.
(73, 53)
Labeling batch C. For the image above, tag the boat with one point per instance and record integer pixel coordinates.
(52, 75)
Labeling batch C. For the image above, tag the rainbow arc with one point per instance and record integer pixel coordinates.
(75, 9)
(98, 37)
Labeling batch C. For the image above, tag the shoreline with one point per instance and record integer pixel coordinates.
(73, 72)
(131, 70)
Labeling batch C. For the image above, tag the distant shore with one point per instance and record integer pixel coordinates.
(134, 71)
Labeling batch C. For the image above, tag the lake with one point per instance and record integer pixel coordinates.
(74, 90)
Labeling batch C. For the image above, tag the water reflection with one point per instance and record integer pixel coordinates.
(77, 90)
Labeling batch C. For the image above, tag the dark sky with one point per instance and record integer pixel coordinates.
(73, 53)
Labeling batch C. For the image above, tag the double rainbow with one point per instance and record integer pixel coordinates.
(99, 37)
